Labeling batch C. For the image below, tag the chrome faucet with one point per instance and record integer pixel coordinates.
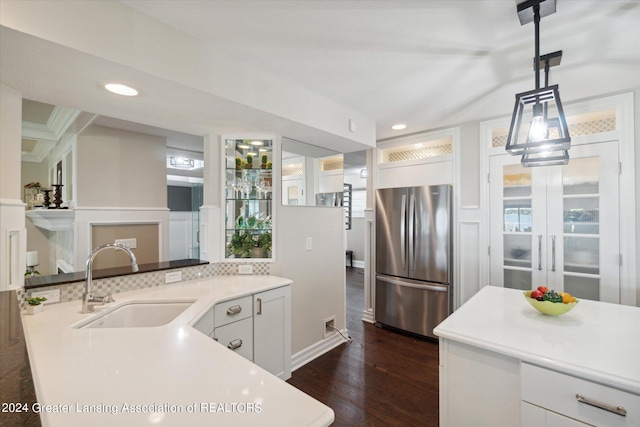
(88, 299)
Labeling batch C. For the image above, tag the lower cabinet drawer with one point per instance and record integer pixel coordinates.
(237, 336)
(233, 310)
(579, 399)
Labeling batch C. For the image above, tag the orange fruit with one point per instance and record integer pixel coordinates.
(567, 298)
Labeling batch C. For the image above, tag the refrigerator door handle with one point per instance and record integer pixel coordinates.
(429, 287)
(403, 212)
(412, 249)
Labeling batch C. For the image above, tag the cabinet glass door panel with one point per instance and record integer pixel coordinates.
(581, 215)
(517, 250)
(581, 176)
(582, 255)
(518, 216)
(516, 181)
(582, 287)
(517, 279)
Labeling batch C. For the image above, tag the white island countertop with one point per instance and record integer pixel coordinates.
(171, 375)
(597, 341)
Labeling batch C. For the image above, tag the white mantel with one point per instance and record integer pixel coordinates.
(52, 219)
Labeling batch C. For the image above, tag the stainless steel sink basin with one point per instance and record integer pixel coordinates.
(139, 314)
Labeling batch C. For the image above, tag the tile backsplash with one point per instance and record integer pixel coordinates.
(73, 291)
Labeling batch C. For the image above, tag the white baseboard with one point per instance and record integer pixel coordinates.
(367, 316)
(356, 264)
(316, 350)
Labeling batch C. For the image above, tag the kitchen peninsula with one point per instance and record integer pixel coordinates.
(170, 375)
(504, 363)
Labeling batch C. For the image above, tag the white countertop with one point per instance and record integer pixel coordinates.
(597, 341)
(172, 366)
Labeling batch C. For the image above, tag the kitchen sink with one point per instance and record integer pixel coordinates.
(138, 314)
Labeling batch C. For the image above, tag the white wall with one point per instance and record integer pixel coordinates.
(118, 168)
(318, 275)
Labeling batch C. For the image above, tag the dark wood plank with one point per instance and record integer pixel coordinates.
(381, 378)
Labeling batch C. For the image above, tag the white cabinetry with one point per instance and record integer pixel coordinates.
(481, 387)
(477, 387)
(572, 401)
(272, 331)
(559, 225)
(535, 416)
(257, 327)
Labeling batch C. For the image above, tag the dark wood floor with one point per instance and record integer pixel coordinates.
(381, 378)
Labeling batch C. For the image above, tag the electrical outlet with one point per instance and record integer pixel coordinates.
(172, 277)
(329, 325)
(309, 243)
(245, 269)
(52, 295)
(131, 243)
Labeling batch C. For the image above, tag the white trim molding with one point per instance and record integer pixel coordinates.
(316, 350)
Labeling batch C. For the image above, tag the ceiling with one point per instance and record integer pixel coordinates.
(426, 63)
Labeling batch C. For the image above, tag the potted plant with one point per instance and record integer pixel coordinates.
(239, 163)
(264, 243)
(264, 161)
(249, 164)
(241, 245)
(35, 305)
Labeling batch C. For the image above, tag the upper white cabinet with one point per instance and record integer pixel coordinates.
(558, 226)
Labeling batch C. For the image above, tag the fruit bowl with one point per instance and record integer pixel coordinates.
(549, 308)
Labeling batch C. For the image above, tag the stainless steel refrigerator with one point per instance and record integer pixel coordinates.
(413, 257)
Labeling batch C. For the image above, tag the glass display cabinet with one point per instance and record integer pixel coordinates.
(557, 226)
(248, 202)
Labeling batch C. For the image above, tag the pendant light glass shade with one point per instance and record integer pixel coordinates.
(542, 133)
(545, 158)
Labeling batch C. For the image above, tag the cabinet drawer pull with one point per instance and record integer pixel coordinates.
(259, 306)
(235, 344)
(234, 310)
(619, 410)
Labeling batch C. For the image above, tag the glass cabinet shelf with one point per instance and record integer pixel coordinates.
(248, 198)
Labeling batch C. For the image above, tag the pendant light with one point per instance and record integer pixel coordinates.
(532, 107)
(554, 155)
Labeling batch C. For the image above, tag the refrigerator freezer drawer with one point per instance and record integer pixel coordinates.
(411, 305)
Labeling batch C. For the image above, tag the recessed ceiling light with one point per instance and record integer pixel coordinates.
(257, 143)
(121, 89)
(243, 146)
(399, 126)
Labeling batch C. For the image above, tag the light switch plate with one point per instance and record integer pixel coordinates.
(245, 269)
(173, 276)
(131, 243)
(309, 244)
